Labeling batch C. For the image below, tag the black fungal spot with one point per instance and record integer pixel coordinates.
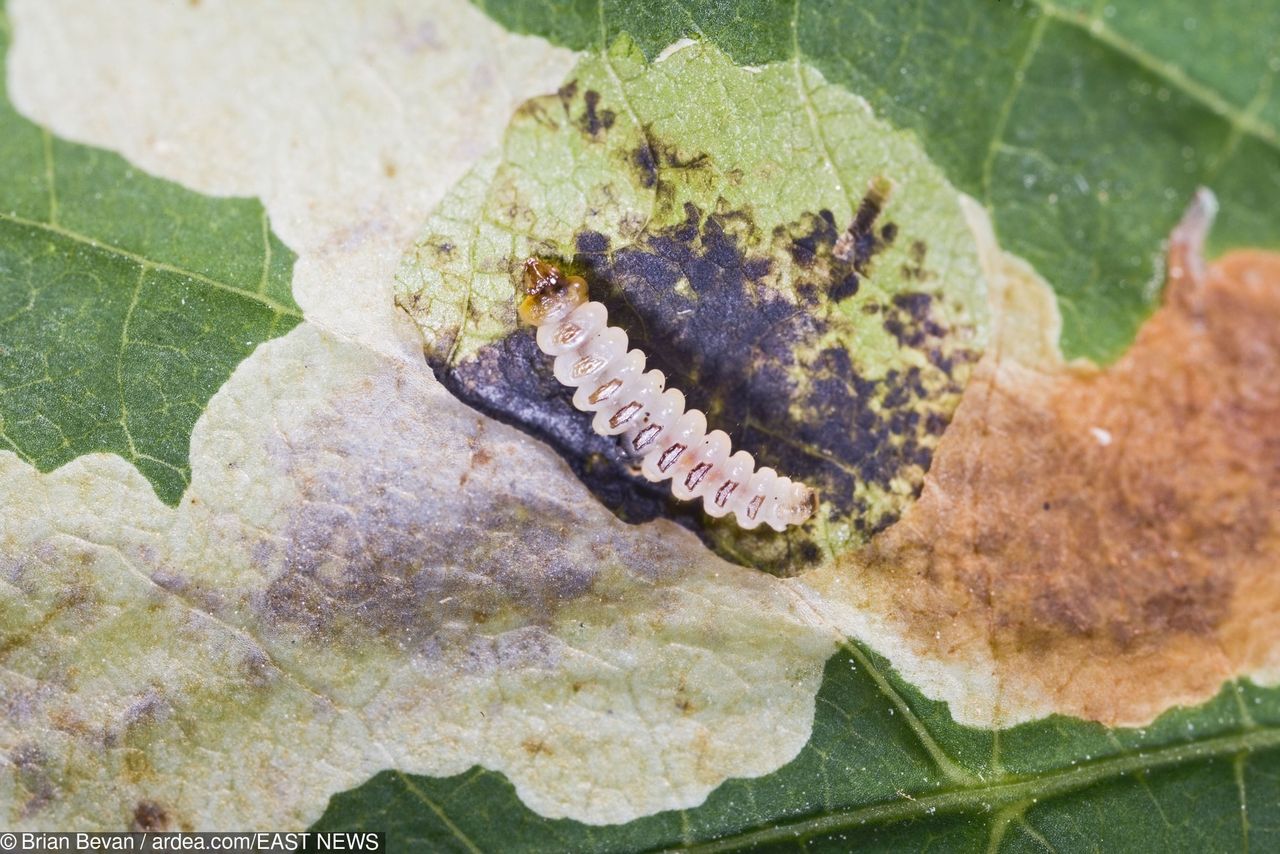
(910, 319)
(845, 287)
(697, 295)
(935, 423)
(843, 258)
(661, 166)
(822, 232)
(671, 158)
(810, 553)
(594, 121)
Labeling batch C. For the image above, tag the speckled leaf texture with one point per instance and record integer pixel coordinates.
(300, 531)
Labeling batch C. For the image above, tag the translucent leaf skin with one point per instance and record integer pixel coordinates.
(118, 325)
(321, 462)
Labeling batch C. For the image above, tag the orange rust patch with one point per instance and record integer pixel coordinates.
(1114, 534)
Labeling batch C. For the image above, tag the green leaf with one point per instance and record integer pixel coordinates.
(713, 234)
(887, 769)
(125, 302)
(366, 574)
(1082, 127)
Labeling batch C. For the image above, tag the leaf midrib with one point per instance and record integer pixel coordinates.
(988, 797)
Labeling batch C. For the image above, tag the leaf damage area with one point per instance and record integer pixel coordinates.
(828, 333)
(1114, 533)
(362, 576)
(774, 373)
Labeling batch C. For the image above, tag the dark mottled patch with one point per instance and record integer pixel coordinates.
(390, 565)
(34, 777)
(914, 268)
(149, 815)
(593, 120)
(909, 318)
(840, 259)
(663, 167)
(646, 165)
(147, 709)
(805, 245)
(700, 303)
(591, 243)
(257, 670)
(859, 243)
(396, 567)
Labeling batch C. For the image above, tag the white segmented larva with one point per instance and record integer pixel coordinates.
(611, 381)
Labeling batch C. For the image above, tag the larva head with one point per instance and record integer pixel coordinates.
(548, 294)
(803, 502)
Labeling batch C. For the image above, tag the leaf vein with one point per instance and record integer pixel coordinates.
(1041, 787)
(77, 237)
(1171, 74)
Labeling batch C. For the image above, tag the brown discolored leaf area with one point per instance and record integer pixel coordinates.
(1117, 531)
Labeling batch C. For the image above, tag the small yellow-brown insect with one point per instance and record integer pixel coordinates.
(629, 401)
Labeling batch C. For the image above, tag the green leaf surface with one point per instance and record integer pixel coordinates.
(1083, 127)
(125, 302)
(887, 769)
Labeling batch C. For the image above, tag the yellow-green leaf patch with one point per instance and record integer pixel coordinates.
(802, 273)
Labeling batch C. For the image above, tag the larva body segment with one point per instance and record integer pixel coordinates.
(628, 401)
